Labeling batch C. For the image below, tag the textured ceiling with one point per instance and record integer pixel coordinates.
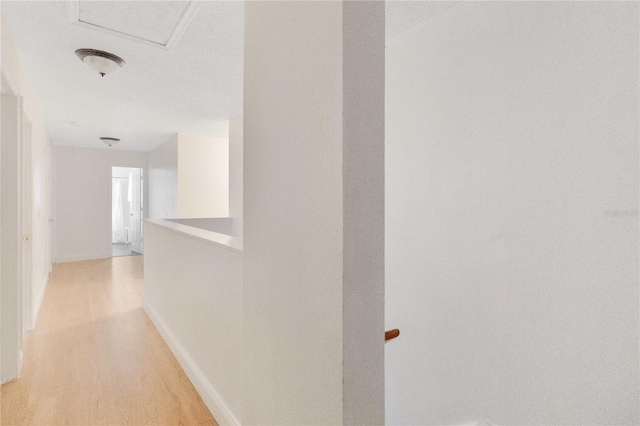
(404, 15)
(149, 20)
(194, 88)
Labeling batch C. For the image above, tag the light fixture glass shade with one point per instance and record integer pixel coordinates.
(102, 62)
(109, 141)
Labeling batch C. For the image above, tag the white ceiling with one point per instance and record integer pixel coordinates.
(159, 17)
(194, 88)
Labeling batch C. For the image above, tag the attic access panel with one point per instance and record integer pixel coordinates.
(157, 23)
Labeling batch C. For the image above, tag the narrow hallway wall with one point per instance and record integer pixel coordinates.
(15, 71)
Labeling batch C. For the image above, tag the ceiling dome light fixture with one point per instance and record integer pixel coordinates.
(109, 141)
(102, 62)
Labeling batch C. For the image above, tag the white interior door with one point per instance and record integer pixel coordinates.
(27, 223)
(136, 211)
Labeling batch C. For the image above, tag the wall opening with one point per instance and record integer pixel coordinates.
(126, 211)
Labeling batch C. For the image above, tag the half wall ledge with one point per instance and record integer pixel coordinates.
(227, 241)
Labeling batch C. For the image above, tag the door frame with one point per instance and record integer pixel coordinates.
(142, 204)
(26, 264)
(134, 247)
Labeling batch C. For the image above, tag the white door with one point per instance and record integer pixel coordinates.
(27, 224)
(136, 211)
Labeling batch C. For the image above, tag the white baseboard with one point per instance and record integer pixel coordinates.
(211, 398)
(39, 300)
(81, 257)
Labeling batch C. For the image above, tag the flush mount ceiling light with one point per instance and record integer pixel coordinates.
(102, 62)
(109, 141)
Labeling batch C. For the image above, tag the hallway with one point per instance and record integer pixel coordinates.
(96, 358)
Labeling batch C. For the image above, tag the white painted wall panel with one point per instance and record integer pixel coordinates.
(189, 178)
(512, 136)
(193, 291)
(11, 287)
(203, 176)
(236, 174)
(163, 180)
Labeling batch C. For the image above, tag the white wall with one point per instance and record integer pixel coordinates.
(512, 132)
(189, 178)
(203, 176)
(11, 242)
(236, 173)
(221, 225)
(193, 293)
(82, 190)
(163, 180)
(308, 111)
(40, 239)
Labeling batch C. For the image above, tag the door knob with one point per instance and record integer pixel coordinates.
(25, 238)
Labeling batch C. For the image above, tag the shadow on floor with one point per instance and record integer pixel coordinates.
(122, 249)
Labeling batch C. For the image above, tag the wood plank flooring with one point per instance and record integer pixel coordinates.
(96, 358)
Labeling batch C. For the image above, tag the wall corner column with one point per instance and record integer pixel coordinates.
(313, 293)
(363, 24)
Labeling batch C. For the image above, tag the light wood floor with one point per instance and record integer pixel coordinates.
(96, 358)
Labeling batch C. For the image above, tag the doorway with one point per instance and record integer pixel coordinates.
(126, 211)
